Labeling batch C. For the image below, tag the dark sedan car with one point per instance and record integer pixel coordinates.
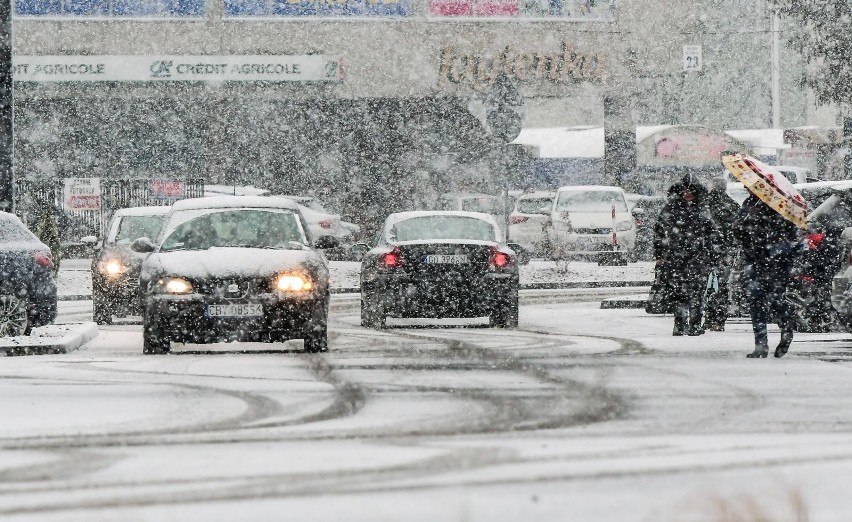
(235, 268)
(115, 267)
(27, 285)
(439, 264)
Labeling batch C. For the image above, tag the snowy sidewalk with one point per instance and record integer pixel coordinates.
(74, 281)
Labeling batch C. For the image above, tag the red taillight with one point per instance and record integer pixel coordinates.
(325, 224)
(392, 259)
(814, 240)
(44, 259)
(514, 219)
(499, 259)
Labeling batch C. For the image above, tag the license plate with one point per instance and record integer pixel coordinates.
(447, 259)
(234, 310)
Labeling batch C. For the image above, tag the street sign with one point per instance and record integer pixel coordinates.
(82, 194)
(693, 59)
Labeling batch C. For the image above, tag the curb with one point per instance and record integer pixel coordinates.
(622, 302)
(50, 339)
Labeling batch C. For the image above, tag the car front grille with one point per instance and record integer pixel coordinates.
(233, 288)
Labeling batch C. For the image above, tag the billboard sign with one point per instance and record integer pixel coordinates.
(167, 189)
(588, 10)
(119, 9)
(82, 194)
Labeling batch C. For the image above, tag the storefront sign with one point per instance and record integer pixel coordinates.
(255, 68)
(300, 8)
(481, 71)
(167, 188)
(82, 194)
(122, 9)
(589, 10)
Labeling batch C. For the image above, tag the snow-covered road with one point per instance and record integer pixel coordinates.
(579, 414)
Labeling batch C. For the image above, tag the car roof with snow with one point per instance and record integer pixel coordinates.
(143, 211)
(590, 188)
(235, 202)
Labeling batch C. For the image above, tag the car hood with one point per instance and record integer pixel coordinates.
(231, 262)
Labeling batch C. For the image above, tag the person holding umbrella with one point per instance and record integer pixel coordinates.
(685, 239)
(767, 230)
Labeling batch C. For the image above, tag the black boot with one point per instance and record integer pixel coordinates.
(760, 352)
(695, 317)
(784, 345)
(680, 315)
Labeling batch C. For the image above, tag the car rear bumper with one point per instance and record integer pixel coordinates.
(405, 296)
(185, 318)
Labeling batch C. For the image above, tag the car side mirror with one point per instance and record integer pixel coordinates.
(326, 242)
(143, 245)
(359, 250)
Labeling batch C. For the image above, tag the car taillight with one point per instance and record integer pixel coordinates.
(325, 224)
(499, 260)
(44, 259)
(392, 259)
(514, 219)
(814, 240)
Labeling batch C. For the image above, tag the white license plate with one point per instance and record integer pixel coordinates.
(447, 259)
(235, 310)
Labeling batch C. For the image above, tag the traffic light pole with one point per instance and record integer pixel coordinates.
(6, 176)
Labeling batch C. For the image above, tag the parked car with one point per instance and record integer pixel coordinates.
(645, 210)
(27, 285)
(116, 267)
(321, 222)
(439, 264)
(528, 221)
(234, 268)
(592, 221)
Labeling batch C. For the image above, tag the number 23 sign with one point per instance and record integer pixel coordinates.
(692, 59)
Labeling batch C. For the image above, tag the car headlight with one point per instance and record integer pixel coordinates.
(112, 267)
(293, 282)
(624, 226)
(174, 285)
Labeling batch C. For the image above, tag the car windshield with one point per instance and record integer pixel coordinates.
(249, 228)
(591, 201)
(534, 205)
(442, 227)
(12, 232)
(131, 228)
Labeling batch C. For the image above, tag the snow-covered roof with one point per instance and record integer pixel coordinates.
(235, 202)
(588, 142)
(590, 188)
(233, 190)
(143, 211)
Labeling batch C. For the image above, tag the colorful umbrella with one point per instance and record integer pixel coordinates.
(772, 187)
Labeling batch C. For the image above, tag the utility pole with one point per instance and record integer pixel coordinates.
(776, 70)
(6, 176)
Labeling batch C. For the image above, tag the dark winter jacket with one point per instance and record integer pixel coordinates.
(724, 211)
(764, 236)
(685, 233)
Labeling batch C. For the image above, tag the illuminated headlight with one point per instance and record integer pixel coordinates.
(294, 282)
(112, 267)
(624, 225)
(174, 285)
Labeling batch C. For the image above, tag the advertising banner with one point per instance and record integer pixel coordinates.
(166, 188)
(591, 10)
(82, 194)
(249, 68)
(119, 8)
(333, 8)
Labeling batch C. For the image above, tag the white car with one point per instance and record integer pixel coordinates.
(473, 202)
(591, 220)
(529, 219)
(321, 222)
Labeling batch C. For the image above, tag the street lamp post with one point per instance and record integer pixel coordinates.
(6, 176)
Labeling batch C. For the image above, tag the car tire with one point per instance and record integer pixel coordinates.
(506, 316)
(100, 309)
(154, 339)
(317, 342)
(372, 313)
(14, 315)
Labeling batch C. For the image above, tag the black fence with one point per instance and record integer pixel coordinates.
(32, 198)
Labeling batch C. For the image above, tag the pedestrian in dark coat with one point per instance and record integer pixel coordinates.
(684, 240)
(724, 211)
(769, 245)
